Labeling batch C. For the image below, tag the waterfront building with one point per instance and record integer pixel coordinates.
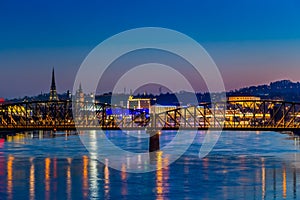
(162, 108)
(245, 101)
(243, 98)
(139, 103)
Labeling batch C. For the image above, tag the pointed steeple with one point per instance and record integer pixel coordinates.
(53, 94)
(53, 86)
(80, 88)
(80, 94)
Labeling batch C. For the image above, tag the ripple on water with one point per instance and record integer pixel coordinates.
(242, 165)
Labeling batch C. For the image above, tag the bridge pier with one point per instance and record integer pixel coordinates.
(296, 132)
(153, 140)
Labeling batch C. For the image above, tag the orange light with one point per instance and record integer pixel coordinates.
(47, 178)
(32, 182)
(10, 177)
(85, 178)
(284, 183)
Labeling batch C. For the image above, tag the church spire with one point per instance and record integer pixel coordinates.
(53, 94)
(53, 86)
(80, 87)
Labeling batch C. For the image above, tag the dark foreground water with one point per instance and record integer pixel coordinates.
(243, 165)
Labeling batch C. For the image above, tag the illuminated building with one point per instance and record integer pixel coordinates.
(243, 98)
(162, 108)
(140, 108)
(138, 103)
(244, 101)
(251, 111)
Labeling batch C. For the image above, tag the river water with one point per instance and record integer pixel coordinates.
(242, 165)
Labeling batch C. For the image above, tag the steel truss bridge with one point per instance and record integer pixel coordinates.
(229, 115)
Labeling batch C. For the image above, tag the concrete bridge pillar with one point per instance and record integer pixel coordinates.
(153, 140)
(296, 132)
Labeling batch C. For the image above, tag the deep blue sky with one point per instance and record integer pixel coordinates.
(251, 41)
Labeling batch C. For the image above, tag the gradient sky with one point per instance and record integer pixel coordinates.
(252, 41)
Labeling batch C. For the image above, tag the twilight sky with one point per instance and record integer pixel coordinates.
(251, 41)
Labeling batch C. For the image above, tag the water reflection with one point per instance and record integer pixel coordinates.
(85, 178)
(284, 182)
(10, 161)
(93, 181)
(274, 183)
(124, 180)
(159, 175)
(218, 176)
(162, 176)
(32, 180)
(2, 167)
(55, 176)
(106, 180)
(18, 138)
(69, 180)
(47, 178)
(93, 165)
(286, 185)
(263, 178)
(294, 183)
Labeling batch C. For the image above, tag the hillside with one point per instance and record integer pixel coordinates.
(283, 89)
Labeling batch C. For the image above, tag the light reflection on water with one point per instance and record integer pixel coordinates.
(32, 181)
(243, 165)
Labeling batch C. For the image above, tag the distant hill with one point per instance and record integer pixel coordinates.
(284, 89)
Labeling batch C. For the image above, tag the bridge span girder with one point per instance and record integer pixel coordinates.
(230, 115)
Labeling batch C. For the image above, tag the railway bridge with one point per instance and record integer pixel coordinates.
(230, 115)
